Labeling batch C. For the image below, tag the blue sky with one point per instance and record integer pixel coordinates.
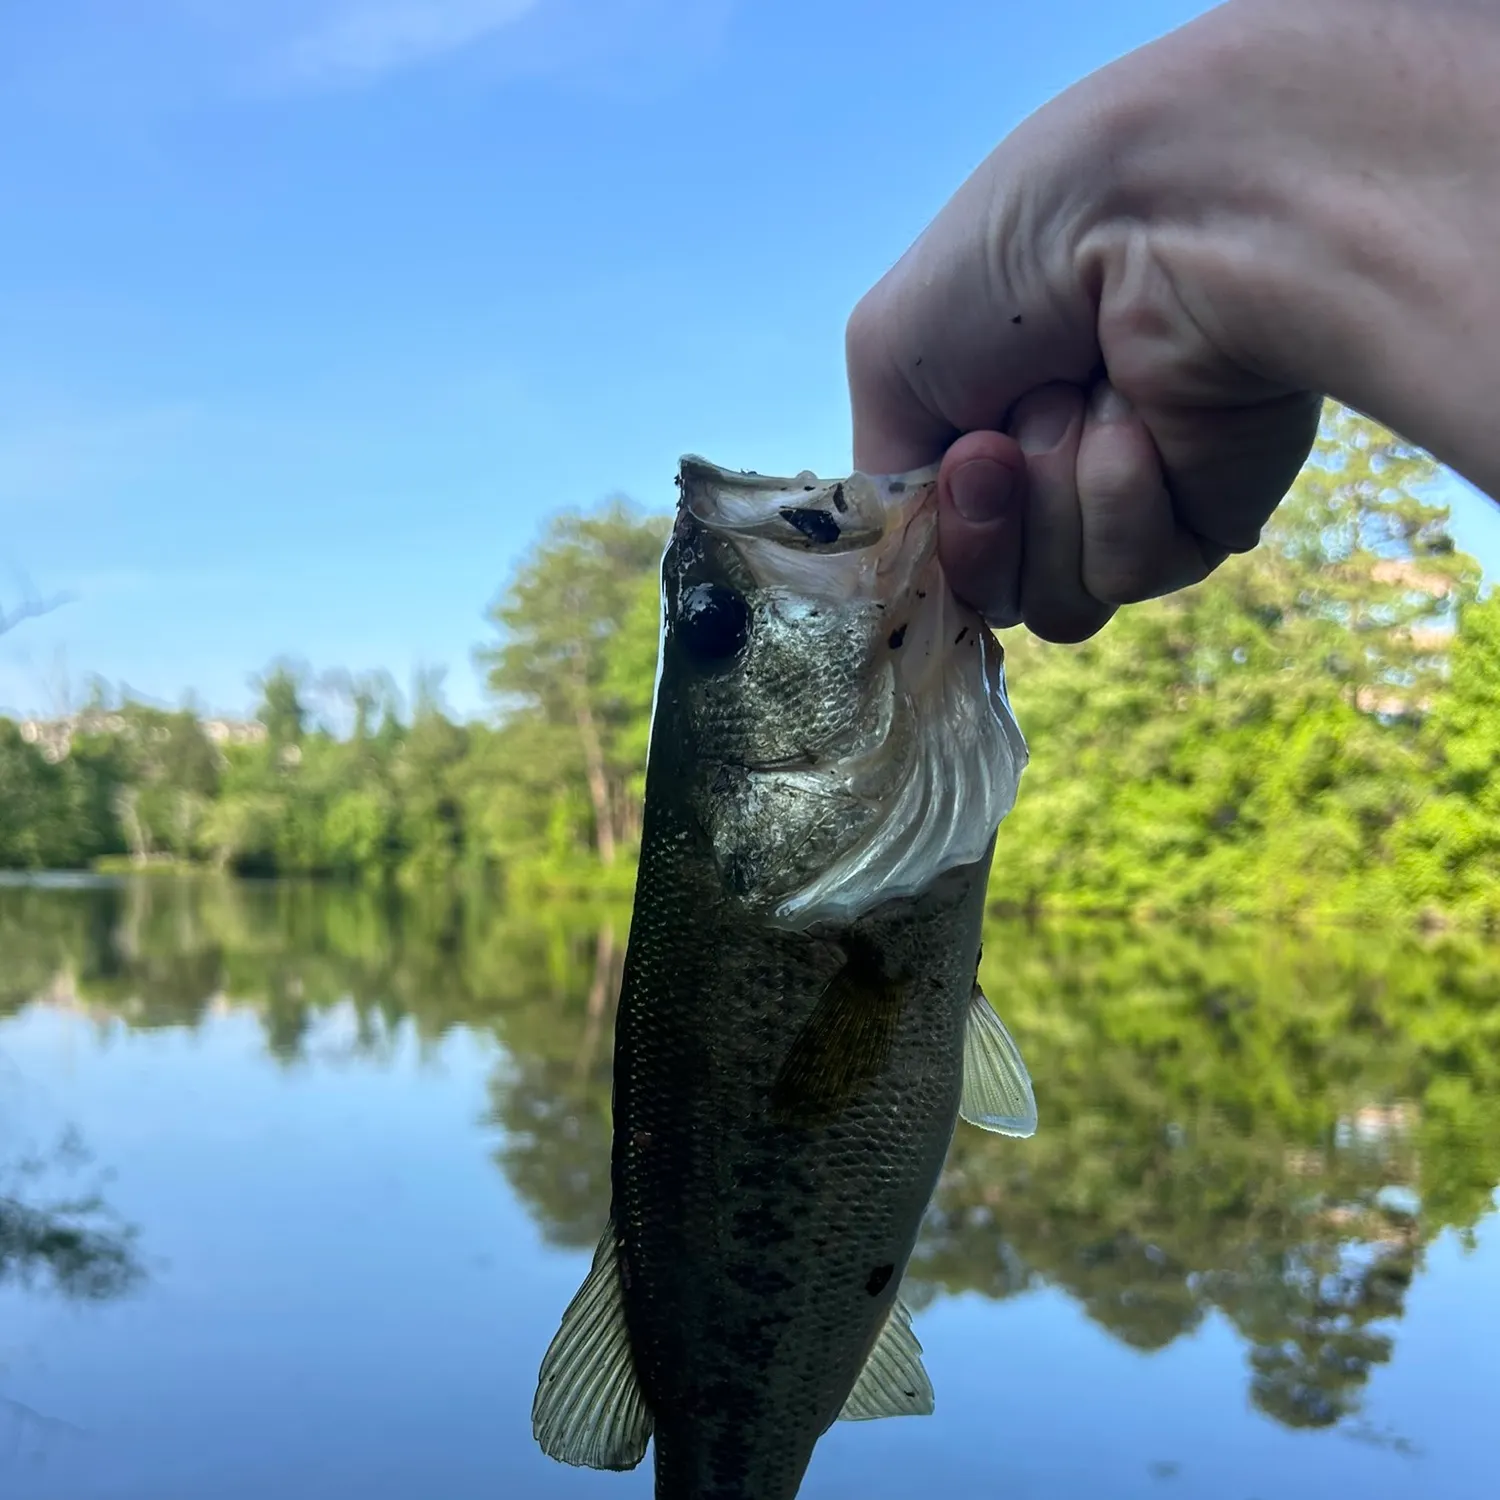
(312, 310)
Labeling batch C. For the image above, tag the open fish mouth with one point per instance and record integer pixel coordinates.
(839, 515)
(786, 531)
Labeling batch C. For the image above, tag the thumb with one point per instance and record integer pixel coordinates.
(981, 523)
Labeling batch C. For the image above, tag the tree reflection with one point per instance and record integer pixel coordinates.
(1253, 1125)
(73, 1246)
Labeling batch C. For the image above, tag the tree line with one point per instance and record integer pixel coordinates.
(1310, 733)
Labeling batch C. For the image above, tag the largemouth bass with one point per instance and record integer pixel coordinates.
(800, 1024)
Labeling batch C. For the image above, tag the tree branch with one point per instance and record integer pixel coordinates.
(30, 609)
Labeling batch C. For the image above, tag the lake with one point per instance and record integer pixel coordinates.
(295, 1183)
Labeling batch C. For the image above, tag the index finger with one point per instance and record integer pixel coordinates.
(895, 431)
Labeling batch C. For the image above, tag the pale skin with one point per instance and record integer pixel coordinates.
(1117, 335)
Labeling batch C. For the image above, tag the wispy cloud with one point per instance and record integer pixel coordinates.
(166, 54)
(361, 39)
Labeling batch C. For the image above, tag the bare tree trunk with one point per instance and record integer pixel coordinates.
(630, 817)
(593, 761)
(134, 830)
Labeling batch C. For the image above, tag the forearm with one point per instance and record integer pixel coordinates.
(1321, 178)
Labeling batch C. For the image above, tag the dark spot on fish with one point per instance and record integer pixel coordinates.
(961, 634)
(760, 1227)
(921, 593)
(918, 364)
(878, 1278)
(757, 1279)
(839, 503)
(809, 486)
(898, 486)
(767, 1174)
(713, 623)
(896, 637)
(816, 525)
(1016, 319)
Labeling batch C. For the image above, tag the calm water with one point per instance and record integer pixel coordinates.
(294, 1186)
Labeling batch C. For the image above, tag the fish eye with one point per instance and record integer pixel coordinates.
(713, 622)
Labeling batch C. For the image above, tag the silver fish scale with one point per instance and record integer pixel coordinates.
(759, 1259)
(802, 688)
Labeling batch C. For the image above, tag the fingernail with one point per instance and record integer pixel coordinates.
(981, 488)
(1041, 424)
(1108, 405)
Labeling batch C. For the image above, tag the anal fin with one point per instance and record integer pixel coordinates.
(894, 1381)
(997, 1092)
(589, 1409)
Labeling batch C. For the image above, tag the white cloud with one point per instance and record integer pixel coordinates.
(366, 38)
(155, 56)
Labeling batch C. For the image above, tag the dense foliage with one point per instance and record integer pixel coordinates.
(1312, 732)
(1246, 1123)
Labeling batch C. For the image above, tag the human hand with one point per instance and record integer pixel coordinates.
(1087, 335)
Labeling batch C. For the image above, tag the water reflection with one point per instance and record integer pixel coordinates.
(57, 1239)
(1264, 1128)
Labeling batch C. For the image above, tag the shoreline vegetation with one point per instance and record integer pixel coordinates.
(1309, 737)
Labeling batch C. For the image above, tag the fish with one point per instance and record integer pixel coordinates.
(800, 1024)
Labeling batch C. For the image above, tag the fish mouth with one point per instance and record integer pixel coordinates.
(801, 511)
(827, 538)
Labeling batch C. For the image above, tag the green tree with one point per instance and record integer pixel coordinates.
(1252, 744)
(54, 813)
(170, 776)
(1453, 843)
(560, 619)
(282, 708)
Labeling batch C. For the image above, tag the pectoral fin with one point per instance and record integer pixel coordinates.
(893, 1382)
(589, 1409)
(997, 1092)
(844, 1045)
